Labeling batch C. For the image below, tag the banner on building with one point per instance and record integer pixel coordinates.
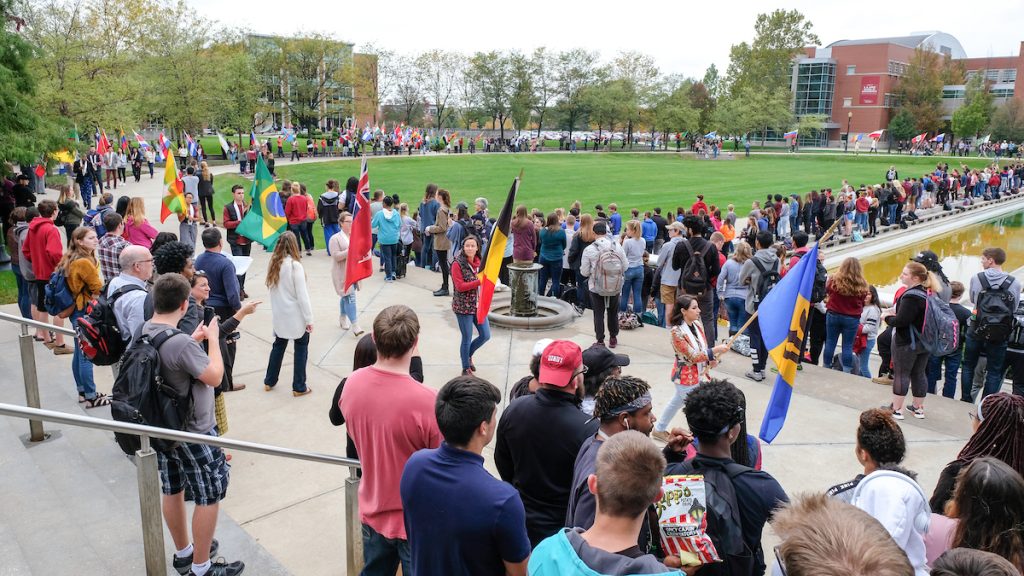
(869, 88)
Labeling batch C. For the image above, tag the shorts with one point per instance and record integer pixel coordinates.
(38, 288)
(200, 468)
(668, 294)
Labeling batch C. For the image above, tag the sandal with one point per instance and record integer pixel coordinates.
(99, 400)
(82, 399)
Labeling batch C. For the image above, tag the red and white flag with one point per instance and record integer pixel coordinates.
(360, 245)
(876, 135)
(919, 138)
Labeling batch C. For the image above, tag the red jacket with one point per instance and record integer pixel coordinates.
(43, 247)
(698, 206)
(295, 209)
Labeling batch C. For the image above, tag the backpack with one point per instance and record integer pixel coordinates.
(818, 290)
(765, 281)
(993, 312)
(140, 395)
(629, 321)
(609, 273)
(940, 332)
(99, 335)
(1016, 340)
(694, 277)
(58, 299)
(94, 219)
(724, 525)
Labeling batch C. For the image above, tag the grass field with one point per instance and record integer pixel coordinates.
(640, 181)
(8, 287)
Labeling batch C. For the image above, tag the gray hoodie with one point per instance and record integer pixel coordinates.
(995, 278)
(749, 274)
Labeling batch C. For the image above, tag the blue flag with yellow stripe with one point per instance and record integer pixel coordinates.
(782, 317)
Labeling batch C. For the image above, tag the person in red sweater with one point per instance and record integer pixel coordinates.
(295, 211)
(465, 270)
(847, 290)
(44, 249)
(699, 205)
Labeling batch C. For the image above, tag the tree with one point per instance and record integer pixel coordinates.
(522, 97)
(701, 100)
(976, 113)
(607, 104)
(185, 94)
(1008, 121)
(438, 74)
(767, 62)
(470, 96)
(713, 82)
(901, 127)
(920, 90)
(314, 67)
(25, 133)
(408, 98)
(639, 76)
(575, 72)
(237, 88)
(544, 84)
(811, 124)
(492, 71)
(753, 110)
(673, 111)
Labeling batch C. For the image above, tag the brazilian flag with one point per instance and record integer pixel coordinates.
(265, 220)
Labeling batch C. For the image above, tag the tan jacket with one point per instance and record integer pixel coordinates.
(440, 230)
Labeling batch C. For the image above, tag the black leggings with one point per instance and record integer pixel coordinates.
(203, 201)
(909, 370)
(884, 346)
(442, 259)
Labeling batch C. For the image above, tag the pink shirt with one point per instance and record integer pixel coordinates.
(141, 234)
(389, 417)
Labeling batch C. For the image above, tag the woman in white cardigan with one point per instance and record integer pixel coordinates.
(292, 313)
(338, 248)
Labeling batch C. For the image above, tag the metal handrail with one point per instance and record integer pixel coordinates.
(36, 324)
(146, 461)
(168, 434)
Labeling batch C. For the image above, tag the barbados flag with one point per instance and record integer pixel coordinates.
(265, 220)
(782, 317)
(491, 265)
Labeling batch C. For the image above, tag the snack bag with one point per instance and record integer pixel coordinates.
(682, 518)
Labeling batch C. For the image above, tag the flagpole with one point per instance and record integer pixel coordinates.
(753, 316)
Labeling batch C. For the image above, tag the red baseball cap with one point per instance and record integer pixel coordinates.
(559, 361)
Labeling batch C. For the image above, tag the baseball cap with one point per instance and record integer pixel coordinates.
(599, 358)
(541, 344)
(559, 361)
(927, 257)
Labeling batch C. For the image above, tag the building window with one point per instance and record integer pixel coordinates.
(1002, 92)
(1010, 75)
(891, 101)
(897, 68)
(847, 102)
(953, 93)
(851, 69)
(815, 82)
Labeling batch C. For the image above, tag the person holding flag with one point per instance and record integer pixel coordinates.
(465, 302)
(359, 264)
(265, 220)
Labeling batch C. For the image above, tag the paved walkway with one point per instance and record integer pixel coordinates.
(294, 510)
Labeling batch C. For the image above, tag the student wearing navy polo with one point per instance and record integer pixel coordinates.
(459, 518)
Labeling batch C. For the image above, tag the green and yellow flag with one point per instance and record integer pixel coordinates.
(265, 220)
(174, 198)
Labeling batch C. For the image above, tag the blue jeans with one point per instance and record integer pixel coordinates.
(425, 257)
(837, 325)
(388, 255)
(381, 556)
(24, 298)
(951, 365)
(330, 230)
(892, 213)
(348, 306)
(633, 285)
(552, 270)
(861, 219)
(81, 368)
(996, 353)
(865, 358)
(277, 357)
(673, 406)
(469, 344)
(736, 308)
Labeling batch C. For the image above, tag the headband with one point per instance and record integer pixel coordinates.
(631, 406)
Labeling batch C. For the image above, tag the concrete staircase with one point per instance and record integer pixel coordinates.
(70, 504)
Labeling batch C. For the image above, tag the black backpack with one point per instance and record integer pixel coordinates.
(724, 525)
(694, 277)
(818, 290)
(765, 282)
(993, 312)
(141, 396)
(99, 335)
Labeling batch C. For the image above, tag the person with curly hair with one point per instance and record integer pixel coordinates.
(847, 290)
(887, 492)
(176, 258)
(987, 513)
(998, 422)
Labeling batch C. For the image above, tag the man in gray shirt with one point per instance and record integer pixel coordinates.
(130, 308)
(199, 467)
(989, 330)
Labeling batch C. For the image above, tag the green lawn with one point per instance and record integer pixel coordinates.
(8, 288)
(631, 180)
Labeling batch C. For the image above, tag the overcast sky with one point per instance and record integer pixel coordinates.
(683, 36)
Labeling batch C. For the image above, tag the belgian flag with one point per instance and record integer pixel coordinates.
(495, 253)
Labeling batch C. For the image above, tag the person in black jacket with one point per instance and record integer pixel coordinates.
(697, 245)
(909, 357)
(662, 235)
(539, 436)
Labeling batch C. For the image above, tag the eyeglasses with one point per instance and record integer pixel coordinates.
(583, 370)
(972, 415)
(144, 261)
(200, 273)
(778, 557)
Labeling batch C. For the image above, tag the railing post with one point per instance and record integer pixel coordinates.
(28, 372)
(353, 527)
(149, 506)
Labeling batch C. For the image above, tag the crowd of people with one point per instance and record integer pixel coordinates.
(579, 479)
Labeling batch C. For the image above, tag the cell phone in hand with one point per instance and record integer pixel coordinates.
(208, 315)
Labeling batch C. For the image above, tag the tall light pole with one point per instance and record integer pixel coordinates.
(849, 119)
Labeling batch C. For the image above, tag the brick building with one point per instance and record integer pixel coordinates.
(854, 82)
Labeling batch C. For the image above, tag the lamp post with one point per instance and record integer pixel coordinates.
(849, 119)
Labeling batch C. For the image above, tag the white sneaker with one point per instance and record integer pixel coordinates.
(356, 330)
(344, 322)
